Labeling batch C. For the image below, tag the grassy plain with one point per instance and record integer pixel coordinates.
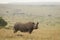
(46, 31)
(47, 16)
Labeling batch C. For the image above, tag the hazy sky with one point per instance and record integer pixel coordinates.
(48, 2)
(9, 1)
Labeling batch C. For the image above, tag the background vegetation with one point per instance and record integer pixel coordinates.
(47, 16)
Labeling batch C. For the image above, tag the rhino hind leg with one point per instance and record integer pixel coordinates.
(15, 31)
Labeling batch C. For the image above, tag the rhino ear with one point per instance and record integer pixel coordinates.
(37, 22)
(33, 23)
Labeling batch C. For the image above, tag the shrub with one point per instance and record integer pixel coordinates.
(2, 22)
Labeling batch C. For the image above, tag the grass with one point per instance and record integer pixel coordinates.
(7, 34)
(48, 30)
(47, 16)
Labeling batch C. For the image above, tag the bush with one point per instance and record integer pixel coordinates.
(2, 22)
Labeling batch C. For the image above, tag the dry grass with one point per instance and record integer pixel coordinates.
(45, 32)
(49, 27)
(7, 34)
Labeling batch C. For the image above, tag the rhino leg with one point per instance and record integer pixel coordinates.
(30, 31)
(15, 31)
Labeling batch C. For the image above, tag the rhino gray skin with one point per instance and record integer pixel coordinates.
(27, 27)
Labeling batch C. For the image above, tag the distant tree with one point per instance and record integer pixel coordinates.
(2, 22)
(6, 11)
(49, 15)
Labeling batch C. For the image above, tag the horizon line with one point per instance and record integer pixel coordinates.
(34, 3)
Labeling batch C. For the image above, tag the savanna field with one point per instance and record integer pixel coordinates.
(47, 16)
